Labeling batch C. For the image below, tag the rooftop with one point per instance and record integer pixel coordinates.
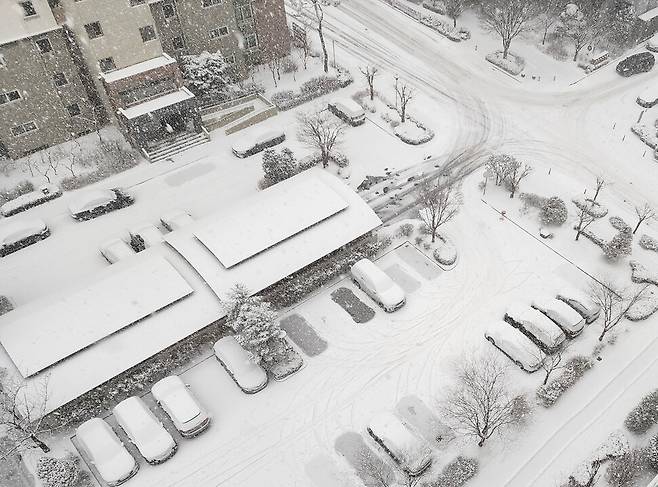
(134, 69)
(14, 25)
(156, 103)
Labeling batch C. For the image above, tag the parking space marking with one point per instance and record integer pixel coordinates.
(357, 309)
(402, 278)
(418, 261)
(303, 335)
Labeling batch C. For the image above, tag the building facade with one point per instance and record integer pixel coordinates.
(117, 56)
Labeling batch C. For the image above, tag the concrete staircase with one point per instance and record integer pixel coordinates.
(175, 145)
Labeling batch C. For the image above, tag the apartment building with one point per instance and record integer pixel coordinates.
(126, 52)
(44, 95)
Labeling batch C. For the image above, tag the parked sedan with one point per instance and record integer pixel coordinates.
(106, 452)
(581, 303)
(249, 376)
(145, 430)
(378, 285)
(518, 347)
(637, 63)
(561, 314)
(19, 233)
(181, 406)
(89, 204)
(542, 331)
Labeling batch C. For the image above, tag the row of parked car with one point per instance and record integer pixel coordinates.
(528, 333)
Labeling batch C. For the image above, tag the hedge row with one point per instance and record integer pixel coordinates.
(574, 369)
(311, 89)
(457, 472)
(644, 415)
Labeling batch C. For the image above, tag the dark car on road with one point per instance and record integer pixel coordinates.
(637, 63)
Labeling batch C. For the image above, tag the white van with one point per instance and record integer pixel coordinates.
(250, 145)
(378, 285)
(348, 111)
(410, 452)
(249, 376)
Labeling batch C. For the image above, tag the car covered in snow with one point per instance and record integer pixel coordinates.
(411, 453)
(89, 204)
(635, 64)
(145, 431)
(542, 331)
(106, 452)
(649, 97)
(253, 144)
(347, 110)
(518, 347)
(145, 235)
(17, 234)
(176, 219)
(378, 285)
(115, 250)
(181, 406)
(249, 376)
(652, 44)
(581, 303)
(25, 201)
(561, 314)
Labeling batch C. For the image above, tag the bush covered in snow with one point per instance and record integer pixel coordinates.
(513, 64)
(644, 307)
(209, 74)
(619, 224)
(648, 243)
(446, 252)
(554, 212)
(573, 370)
(23, 187)
(534, 200)
(644, 415)
(436, 6)
(625, 469)
(406, 229)
(592, 208)
(311, 89)
(445, 28)
(642, 275)
(456, 473)
(620, 244)
(646, 134)
(652, 453)
(278, 166)
(111, 158)
(64, 472)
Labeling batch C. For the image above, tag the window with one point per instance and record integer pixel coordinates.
(23, 128)
(9, 96)
(44, 45)
(106, 64)
(60, 79)
(178, 42)
(73, 109)
(210, 3)
(168, 10)
(28, 9)
(135, 3)
(251, 41)
(147, 33)
(218, 32)
(244, 13)
(94, 30)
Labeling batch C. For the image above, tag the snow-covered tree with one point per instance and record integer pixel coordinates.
(278, 166)
(319, 18)
(579, 26)
(516, 172)
(548, 15)
(321, 132)
(507, 18)
(620, 244)
(554, 211)
(621, 23)
(584, 218)
(209, 73)
(499, 165)
(643, 213)
(438, 203)
(259, 332)
(369, 73)
(454, 8)
(614, 303)
(404, 94)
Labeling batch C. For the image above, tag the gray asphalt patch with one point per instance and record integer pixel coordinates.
(423, 420)
(303, 335)
(418, 261)
(357, 453)
(404, 280)
(357, 309)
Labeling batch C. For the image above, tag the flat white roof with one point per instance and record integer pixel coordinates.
(75, 321)
(133, 69)
(268, 218)
(649, 15)
(288, 256)
(156, 103)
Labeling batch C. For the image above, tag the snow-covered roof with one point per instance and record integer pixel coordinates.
(289, 255)
(68, 324)
(14, 26)
(156, 103)
(134, 69)
(268, 218)
(649, 15)
(16, 230)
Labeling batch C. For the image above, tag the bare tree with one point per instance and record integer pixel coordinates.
(439, 203)
(580, 26)
(508, 19)
(585, 219)
(643, 213)
(554, 362)
(318, 131)
(22, 409)
(303, 43)
(274, 65)
(369, 73)
(454, 8)
(592, 472)
(373, 471)
(614, 303)
(404, 94)
(600, 182)
(319, 17)
(481, 403)
(548, 14)
(516, 173)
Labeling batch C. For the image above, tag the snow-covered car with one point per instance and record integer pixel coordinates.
(145, 235)
(145, 430)
(581, 303)
(90, 204)
(408, 451)
(250, 145)
(249, 376)
(106, 451)
(378, 285)
(561, 314)
(637, 63)
(176, 219)
(116, 249)
(542, 331)
(518, 347)
(652, 44)
(347, 110)
(649, 97)
(17, 234)
(181, 406)
(25, 201)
